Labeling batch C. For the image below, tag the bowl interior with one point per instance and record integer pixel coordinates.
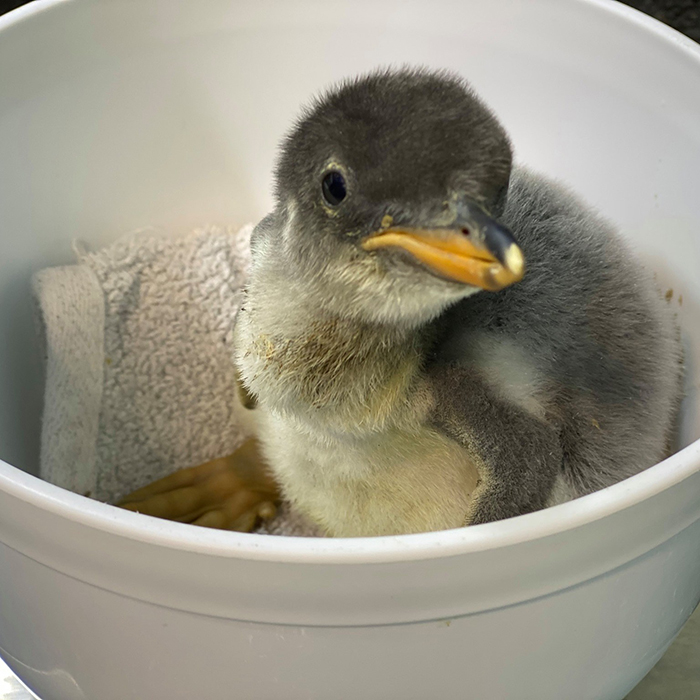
(116, 116)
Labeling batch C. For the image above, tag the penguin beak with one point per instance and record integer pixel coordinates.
(474, 250)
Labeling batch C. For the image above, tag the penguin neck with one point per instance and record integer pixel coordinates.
(323, 368)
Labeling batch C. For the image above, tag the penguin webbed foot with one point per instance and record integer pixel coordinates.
(230, 493)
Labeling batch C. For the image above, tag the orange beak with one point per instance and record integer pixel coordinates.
(483, 256)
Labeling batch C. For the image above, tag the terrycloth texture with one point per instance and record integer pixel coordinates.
(70, 307)
(140, 379)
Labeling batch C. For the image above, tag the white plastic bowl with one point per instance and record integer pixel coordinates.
(116, 115)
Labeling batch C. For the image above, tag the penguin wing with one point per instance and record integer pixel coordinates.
(518, 454)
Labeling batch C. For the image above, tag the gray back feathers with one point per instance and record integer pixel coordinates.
(596, 328)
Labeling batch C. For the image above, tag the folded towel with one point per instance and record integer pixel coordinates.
(139, 373)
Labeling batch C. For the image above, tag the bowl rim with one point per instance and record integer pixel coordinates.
(358, 550)
(526, 528)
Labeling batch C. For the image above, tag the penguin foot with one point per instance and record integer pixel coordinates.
(230, 493)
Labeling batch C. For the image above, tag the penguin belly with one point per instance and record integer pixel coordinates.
(388, 482)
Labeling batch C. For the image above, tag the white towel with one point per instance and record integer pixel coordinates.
(140, 379)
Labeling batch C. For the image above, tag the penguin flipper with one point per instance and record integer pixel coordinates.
(518, 455)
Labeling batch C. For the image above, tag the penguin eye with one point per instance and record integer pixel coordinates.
(334, 189)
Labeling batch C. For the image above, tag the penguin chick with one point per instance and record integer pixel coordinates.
(434, 339)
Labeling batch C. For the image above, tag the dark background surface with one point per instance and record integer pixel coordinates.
(683, 15)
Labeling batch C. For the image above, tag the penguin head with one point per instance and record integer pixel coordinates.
(388, 190)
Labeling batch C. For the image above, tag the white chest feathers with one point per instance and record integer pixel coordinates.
(390, 482)
(343, 421)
